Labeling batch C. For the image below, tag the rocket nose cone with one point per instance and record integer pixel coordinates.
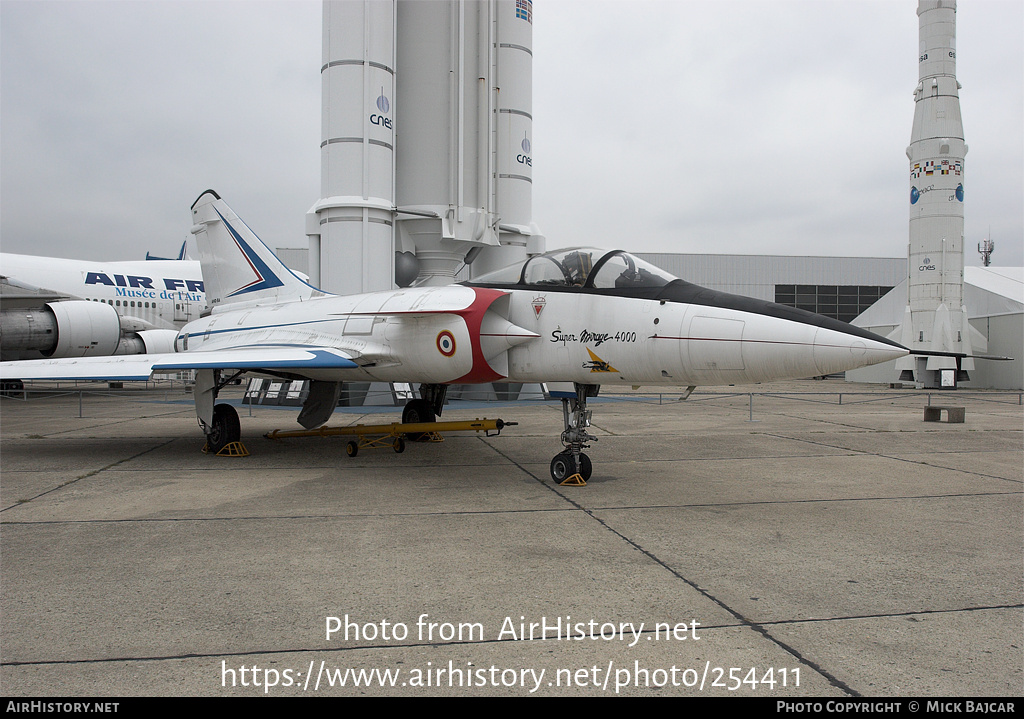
(836, 351)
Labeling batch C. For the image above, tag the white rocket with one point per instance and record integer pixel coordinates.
(464, 161)
(351, 227)
(427, 142)
(935, 318)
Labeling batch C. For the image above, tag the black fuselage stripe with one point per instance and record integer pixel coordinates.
(683, 292)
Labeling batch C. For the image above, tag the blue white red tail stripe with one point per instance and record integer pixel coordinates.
(265, 278)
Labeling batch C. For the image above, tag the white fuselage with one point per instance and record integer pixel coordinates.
(460, 334)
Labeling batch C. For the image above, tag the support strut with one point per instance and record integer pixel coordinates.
(219, 422)
(434, 395)
(571, 465)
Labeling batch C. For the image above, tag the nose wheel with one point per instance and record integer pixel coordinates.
(571, 460)
(564, 465)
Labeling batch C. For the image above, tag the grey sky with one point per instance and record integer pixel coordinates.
(764, 127)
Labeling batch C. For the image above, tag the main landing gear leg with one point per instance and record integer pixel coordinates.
(225, 428)
(219, 422)
(571, 461)
(425, 409)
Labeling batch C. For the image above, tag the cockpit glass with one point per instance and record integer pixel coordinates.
(579, 267)
(544, 271)
(622, 271)
(566, 269)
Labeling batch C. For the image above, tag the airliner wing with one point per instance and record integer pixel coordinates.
(21, 295)
(140, 367)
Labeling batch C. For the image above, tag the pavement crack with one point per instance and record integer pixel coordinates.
(743, 620)
(93, 473)
(882, 455)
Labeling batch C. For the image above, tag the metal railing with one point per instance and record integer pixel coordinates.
(381, 400)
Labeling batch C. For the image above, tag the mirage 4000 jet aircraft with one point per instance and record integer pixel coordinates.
(581, 315)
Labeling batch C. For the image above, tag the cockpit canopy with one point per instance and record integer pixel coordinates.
(579, 267)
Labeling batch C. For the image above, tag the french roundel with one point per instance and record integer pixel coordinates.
(446, 343)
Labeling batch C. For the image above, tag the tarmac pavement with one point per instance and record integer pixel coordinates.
(822, 549)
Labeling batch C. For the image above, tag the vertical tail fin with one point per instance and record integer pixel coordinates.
(237, 266)
(181, 254)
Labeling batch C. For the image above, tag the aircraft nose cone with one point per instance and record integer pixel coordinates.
(836, 351)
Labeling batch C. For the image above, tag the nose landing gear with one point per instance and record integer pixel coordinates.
(571, 465)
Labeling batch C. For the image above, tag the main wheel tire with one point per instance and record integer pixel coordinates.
(562, 467)
(586, 467)
(416, 411)
(225, 429)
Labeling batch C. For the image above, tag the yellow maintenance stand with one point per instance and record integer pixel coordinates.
(376, 436)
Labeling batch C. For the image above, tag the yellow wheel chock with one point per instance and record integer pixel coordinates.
(231, 449)
(574, 480)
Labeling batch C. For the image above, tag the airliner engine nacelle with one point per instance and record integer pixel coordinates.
(147, 342)
(62, 329)
(77, 328)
